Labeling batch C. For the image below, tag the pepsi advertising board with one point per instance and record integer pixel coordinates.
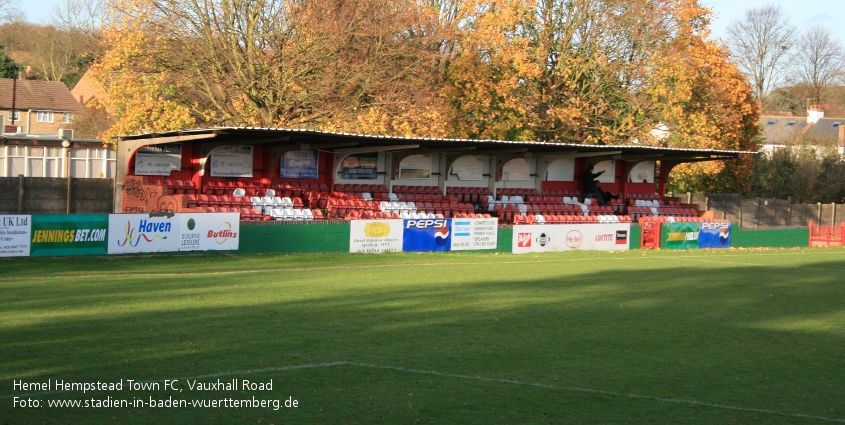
(715, 235)
(427, 234)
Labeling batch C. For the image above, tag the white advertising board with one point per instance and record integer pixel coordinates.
(209, 231)
(158, 160)
(136, 233)
(231, 161)
(571, 237)
(15, 232)
(516, 169)
(474, 233)
(375, 236)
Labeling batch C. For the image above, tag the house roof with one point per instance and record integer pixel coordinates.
(85, 90)
(37, 95)
(783, 129)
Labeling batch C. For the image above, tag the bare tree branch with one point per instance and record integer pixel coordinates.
(819, 61)
(760, 46)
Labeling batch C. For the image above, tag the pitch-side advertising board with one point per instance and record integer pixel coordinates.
(140, 233)
(420, 235)
(15, 231)
(567, 237)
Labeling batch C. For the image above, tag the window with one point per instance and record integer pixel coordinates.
(771, 122)
(17, 160)
(16, 115)
(836, 124)
(791, 123)
(45, 116)
(67, 117)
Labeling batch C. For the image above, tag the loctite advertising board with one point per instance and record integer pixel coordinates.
(571, 237)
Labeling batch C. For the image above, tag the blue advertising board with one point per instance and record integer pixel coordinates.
(715, 235)
(427, 235)
(301, 164)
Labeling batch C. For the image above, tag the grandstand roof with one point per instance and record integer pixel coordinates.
(308, 139)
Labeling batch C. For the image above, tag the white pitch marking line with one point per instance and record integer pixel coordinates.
(372, 266)
(696, 260)
(602, 392)
(482, 379)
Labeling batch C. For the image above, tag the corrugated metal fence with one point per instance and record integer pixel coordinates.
(762, 212)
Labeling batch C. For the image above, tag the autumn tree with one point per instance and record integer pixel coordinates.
(47, 52)
(568, 70)
(319, 64)
(760, 44)
(706, 103)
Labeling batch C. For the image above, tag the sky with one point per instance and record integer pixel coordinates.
(803, 14)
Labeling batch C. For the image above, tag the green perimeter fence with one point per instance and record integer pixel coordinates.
(308, 237)
(305, 237)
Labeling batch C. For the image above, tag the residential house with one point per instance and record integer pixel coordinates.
(780, 131)
(36, 137)
(36, 107)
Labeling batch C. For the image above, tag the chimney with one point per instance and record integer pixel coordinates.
(815, 113)
(841, 136)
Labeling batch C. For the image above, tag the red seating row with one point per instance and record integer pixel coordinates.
(174, 187)
(563, 219)
(563, 192)
(370, 215)
(400, 188)
(200, 201)
(669, 219)
(457, 190)
(517, 191)
(360, 188)
(642, 196)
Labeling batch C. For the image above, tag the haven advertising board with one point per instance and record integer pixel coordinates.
(420, 235)
(209, 232)
(579, 237)
(136, 233)
(69, 234)
(14, 235)
(375, 236)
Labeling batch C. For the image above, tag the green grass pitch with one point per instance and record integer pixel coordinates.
(642, 337)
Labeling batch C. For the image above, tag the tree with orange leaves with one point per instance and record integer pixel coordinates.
(704, 102)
